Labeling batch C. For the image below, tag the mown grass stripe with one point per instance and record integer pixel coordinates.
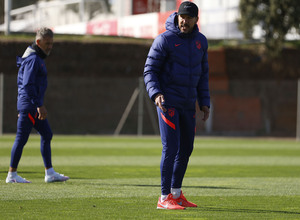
(147, 187)
(155, 160)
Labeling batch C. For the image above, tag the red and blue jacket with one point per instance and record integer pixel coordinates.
(177, 67)
(32, 79)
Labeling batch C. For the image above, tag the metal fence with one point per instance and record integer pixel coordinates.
(87, 105)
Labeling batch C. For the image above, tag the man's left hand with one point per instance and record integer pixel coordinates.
(205, 110)
(42, 112)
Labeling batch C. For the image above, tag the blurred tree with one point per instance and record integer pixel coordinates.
(276, 18)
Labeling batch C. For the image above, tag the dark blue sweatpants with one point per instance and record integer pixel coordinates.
(177, 130)
(27, 121)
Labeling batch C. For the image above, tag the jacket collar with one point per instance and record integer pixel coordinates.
(39, 51)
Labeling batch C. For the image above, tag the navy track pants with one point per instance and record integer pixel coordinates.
(27, 121)
(177, 130)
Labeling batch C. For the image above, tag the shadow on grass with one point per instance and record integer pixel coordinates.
(192, 187)
(19, 172)
(216, 209)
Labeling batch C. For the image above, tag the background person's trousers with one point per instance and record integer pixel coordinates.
(177, 130)
(27, 121)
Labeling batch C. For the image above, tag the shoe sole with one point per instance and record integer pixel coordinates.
(52, 181)
(16, 182)
(170, 209)
(190, 206)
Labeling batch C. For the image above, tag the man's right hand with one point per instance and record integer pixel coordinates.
(159, 100)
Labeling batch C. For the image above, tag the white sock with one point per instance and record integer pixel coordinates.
(50, 171)
(12, 174)
(163, 197)
(176, 192)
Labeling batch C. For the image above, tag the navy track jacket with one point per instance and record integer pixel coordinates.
(177, 67)
(32, 80)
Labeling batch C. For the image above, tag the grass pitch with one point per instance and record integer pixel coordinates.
(119, 178)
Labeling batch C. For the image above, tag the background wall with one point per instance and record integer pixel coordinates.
(90, 85)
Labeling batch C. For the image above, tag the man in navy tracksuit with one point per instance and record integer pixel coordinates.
(176, 75)
(32, 84)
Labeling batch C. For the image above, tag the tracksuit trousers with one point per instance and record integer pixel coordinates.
(177, 130)
(27, 121)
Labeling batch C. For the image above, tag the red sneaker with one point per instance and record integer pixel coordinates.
(169, 203)
(182, 201)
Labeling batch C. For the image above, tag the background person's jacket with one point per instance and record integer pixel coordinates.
(32, 79)
(177, 67)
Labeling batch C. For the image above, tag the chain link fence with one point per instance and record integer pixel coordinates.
(89, 105)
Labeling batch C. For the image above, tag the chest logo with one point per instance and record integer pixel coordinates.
(176, 45)
(198, 45)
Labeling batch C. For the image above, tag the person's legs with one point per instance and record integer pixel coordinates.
(187, 133)
(43, 127)
(25, 123)
(169, 131)
(24, 127)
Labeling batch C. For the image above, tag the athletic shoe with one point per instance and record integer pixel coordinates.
(168, 203)
(182, 201)
(16, 179)
(56, 177)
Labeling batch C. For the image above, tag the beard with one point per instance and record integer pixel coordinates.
(185, 28)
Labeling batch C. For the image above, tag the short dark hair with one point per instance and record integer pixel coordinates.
(44, 32)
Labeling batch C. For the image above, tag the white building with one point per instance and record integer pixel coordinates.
(133, 18)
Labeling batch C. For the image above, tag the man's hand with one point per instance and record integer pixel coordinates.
(159, 100)
(42, 112)
(205, 110)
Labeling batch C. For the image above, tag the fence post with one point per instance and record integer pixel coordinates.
(140, 106)
(81, 11)
(7, 18)
(298, 112)
(127, 111)
(1, 101)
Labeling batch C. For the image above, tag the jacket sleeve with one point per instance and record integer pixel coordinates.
(153, 66)
(203, 85)
(29, 81)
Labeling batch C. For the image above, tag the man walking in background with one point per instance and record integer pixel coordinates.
(32, 84)
(176, 75)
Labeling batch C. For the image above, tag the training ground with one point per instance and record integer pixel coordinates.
(119, 178)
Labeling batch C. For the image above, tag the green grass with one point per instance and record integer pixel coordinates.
(119, 178)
